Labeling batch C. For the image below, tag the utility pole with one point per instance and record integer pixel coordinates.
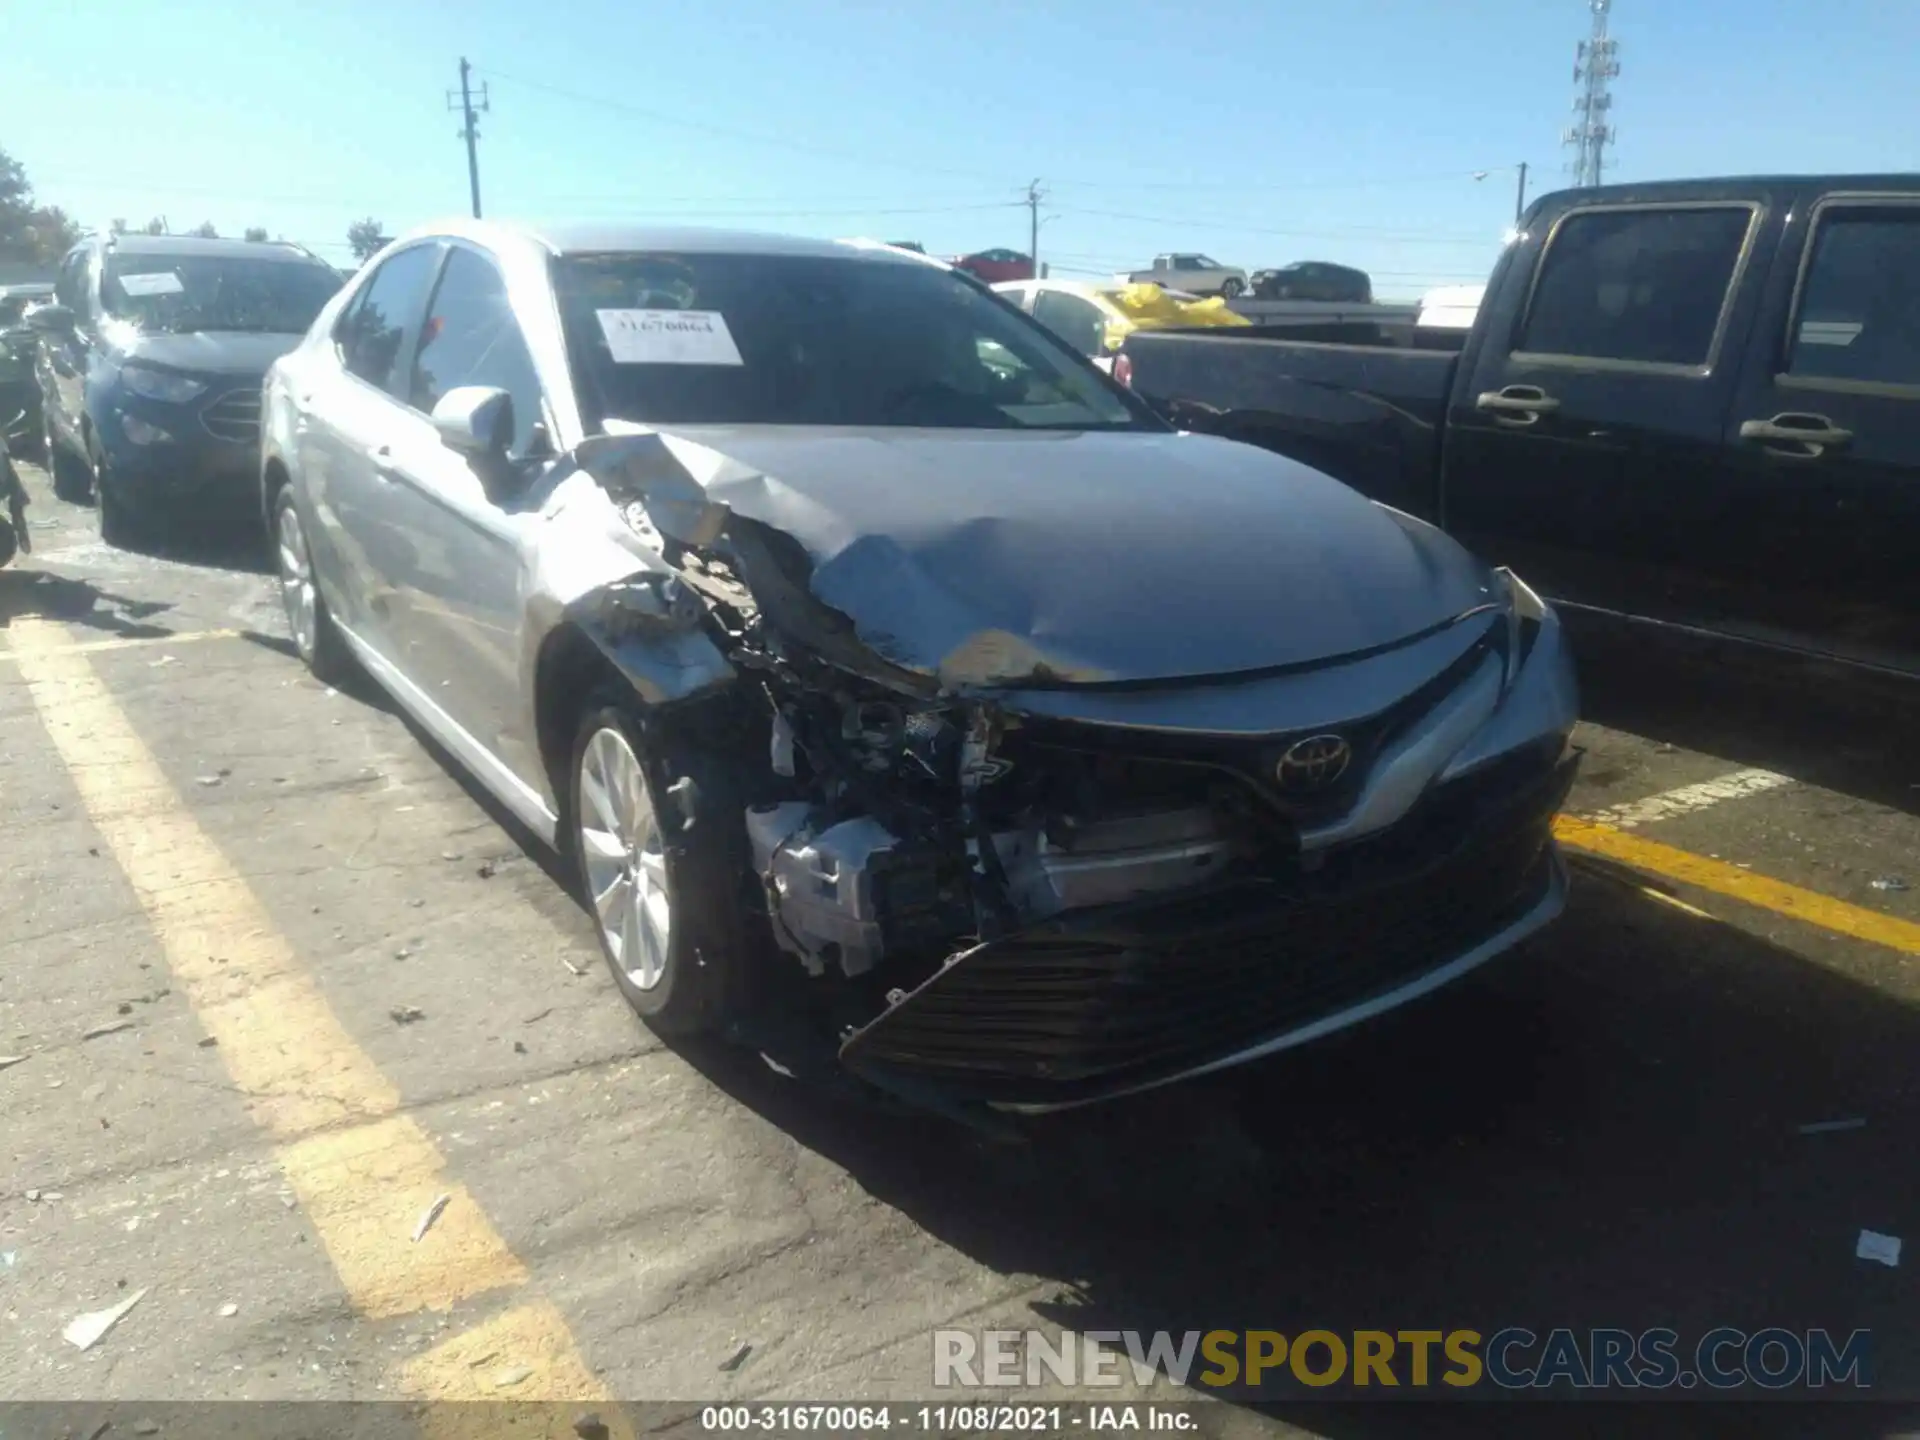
(469, 131)
(1034, 196)
(1520, 197)
(1596, 61)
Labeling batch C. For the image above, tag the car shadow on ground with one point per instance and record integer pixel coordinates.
(78, 602)
(1599, 1130)
(1845, 733)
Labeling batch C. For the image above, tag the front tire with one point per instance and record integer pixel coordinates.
(1231, 286)
(69, 476)
(315, 636)
(117, 526)
(660, 870)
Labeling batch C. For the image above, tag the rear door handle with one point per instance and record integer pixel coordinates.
(1815, 432)
(1517, 404)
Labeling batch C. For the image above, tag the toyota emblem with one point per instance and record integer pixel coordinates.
(1313, 763)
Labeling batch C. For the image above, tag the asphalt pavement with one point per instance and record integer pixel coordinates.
(274, 981)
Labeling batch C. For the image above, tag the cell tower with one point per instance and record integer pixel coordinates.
(1596, 61)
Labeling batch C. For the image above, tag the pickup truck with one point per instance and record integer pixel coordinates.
(1196, 274)
(1691, 404)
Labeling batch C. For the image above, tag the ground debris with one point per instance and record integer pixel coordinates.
(146, 1427)
(207, 1042)
(1892, 884)
(537, 1017)
(590, 1427)
(1872, 1245)
(577, 971)
(430, 1215)
(229, 1310)
(737, 1358)
(485, 870)
(1828, 1127)
(407, 1014)
(511, 1376)
(208, 780)
(86, 1331)
(7, 1062)
(113, 1027)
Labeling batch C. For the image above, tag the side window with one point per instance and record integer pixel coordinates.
(1639, 285)
(1076, 321)
(1859, 316)
(1186, 262)
(471, 338)
(373, 330)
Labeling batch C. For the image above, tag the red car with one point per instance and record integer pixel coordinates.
(996, 266)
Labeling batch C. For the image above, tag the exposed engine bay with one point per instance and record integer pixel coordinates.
(927, 822)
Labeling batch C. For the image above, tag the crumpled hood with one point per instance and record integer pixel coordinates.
(212, 352)
(1082, 557)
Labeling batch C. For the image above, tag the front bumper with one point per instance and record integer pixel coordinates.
(1103, 1003)
(208, 451)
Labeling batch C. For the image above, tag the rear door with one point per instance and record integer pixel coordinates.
(356, 409)
(1823, 441)
(460, 598)
(1584, 447)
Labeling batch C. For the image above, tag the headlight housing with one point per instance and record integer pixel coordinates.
(160, 384)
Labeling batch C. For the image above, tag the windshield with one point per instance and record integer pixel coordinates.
(805, 340)
(177, 294)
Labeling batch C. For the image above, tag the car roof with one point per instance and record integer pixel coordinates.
(160, 245)
(609, 238)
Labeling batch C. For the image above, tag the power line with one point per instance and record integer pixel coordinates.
(728, 132)
(1351, 233)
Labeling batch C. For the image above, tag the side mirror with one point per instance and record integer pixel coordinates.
(51, 320)
(476, 420)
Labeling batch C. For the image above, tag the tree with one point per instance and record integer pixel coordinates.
(29, 231)
(156, 226)
(256, 232)
(117, 227)
(365, 237)
(205, 231)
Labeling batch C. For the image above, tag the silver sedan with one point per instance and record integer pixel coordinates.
(879, 661)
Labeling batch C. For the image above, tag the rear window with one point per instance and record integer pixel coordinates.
(1859, 315)
(803, 340)
(1643, 285)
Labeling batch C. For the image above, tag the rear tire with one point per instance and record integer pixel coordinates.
(1231, 286)
(663, 886)
(69, 476)
(321, 646)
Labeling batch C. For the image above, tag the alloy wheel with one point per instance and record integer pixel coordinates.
(296, 582)
(625, 858)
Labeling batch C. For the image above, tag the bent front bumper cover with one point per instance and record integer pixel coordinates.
(1091, 1006)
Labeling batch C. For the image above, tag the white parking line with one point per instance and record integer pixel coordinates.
(1689, 798)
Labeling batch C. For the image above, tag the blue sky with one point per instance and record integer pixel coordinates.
(1262, 131)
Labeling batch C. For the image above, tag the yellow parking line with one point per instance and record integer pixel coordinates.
(364, 1171)
(124, 642)
(1738, 884)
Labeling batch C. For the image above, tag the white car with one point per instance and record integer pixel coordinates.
(1080, 313)
(1201, 274)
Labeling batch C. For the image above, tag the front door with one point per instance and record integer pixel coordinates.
(1823, 441)
(461, 597)
(1583, 449)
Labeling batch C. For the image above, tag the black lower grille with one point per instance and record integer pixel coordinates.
(235, 417)
(1081, 1007)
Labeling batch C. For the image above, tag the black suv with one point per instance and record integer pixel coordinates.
(150, 368)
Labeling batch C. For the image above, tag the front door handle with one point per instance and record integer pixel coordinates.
(1516, 404)
(383, 467)
(1809, 434)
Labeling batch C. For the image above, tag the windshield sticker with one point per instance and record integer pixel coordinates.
(668, 337)
(155, 282)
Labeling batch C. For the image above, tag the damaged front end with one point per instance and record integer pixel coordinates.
(1015, 889)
